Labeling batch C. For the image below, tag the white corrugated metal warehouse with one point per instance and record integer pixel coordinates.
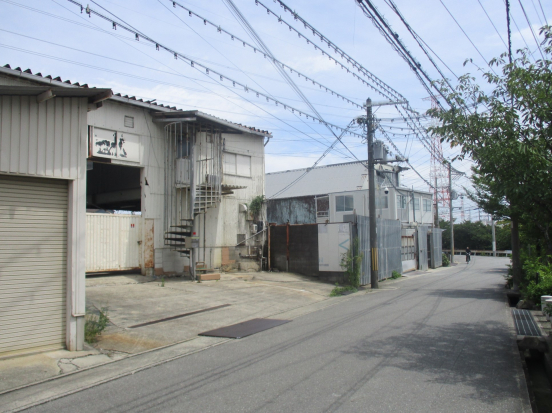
(67, 147)
(43, 142)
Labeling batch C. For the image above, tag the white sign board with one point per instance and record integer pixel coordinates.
(334, 240)
(115, 145)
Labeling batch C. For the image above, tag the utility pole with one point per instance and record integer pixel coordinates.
(372, 188)
(372, 195)
(494, 238)
(451, 219)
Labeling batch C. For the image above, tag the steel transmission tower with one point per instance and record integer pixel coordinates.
(439, 173)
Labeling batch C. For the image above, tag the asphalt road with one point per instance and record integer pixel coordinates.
(442, 342)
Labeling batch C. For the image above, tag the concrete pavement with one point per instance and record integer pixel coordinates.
(442, 341)
(135, 299)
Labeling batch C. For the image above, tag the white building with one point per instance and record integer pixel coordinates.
(327, 193)
(186, 175)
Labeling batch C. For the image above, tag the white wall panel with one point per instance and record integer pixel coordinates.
(113, 242)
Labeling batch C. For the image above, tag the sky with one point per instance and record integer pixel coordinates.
(54, 38)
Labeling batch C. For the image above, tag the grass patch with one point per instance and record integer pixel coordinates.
(94, 325)
(395, 275)
(337, 291)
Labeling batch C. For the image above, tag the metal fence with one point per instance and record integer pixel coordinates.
(436, 257)
(389, 246)
(422, 248)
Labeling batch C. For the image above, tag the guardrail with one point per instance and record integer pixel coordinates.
(505, 253)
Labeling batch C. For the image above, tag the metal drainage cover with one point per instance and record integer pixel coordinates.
(244, 329)
(525, 324)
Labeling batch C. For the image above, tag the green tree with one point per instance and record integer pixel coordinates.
(508, 134)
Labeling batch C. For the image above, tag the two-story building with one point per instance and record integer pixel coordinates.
(184, 179)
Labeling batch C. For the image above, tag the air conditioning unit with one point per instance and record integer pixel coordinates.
(253, 228)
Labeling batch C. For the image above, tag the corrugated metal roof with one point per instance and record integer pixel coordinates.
(57, 81)
(319, 181)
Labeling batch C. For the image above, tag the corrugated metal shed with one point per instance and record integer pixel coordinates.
(321, 180)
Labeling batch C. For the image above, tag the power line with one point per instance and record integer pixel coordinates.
(392, 38)
(531, 28)
(208, 70)
(386, 91)
(416, 37)
(465, 34)
(206, 21)
(241, 18)
(488, 17)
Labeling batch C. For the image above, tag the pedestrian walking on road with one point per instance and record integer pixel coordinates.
(468, 255)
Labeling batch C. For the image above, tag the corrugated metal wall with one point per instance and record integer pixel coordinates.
(436, 246)
(422, 248)
(113, 242)
(389, 246)
(41, 139)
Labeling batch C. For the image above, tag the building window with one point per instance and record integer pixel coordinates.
(427, 205)
(322, 207)
(416, 204)
(382, 202)
(241, 239)
(235, 164)
(344, 203)
(401, 201)
(129, 122)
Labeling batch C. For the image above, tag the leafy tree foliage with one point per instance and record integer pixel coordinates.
(508, 134)
(477, 236)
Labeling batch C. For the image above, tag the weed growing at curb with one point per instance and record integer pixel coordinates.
(337, 291)
(446, 261)
(94, 325)
(396, 275)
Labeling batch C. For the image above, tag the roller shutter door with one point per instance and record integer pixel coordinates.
(33, 261)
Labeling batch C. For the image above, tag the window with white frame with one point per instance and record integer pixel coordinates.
(401, 201)
(427, 205)
(236, 164)
(416, 204)
(344, 203)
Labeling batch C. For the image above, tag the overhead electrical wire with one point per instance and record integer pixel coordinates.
(208, 70)
(245, 24)
(269, 113)
(312, 167)
(384, 92)
(489, 17)
(467, 37)
(233, 37)
(371, 11)
(531, 28)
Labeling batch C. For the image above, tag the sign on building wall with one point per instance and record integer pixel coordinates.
(107, 143)
(334, 241)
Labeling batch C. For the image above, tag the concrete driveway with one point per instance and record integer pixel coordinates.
(133, 299)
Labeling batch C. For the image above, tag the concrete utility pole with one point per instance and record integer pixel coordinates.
(451, 218)
(494, 238)
(372, 195)
(372, 188)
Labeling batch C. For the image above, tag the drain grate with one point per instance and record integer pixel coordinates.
(525, 323)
